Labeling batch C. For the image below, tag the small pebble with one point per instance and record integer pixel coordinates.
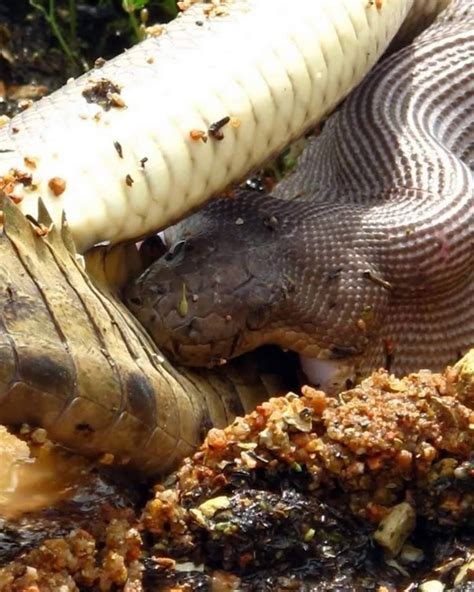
(39, 436)
(431, 586)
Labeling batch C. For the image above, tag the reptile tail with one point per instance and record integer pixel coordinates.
(74, 361)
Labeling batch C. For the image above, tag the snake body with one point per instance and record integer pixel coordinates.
(372, 263)
(113, 148)
(72, 358)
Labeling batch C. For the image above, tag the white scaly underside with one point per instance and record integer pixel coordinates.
(277, 66)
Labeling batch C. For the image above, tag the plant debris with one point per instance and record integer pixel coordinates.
(105, 93)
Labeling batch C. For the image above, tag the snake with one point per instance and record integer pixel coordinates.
(131, 147)
(363, 257)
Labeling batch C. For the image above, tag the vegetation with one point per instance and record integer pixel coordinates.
(65, 19)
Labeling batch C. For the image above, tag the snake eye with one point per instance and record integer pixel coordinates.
(157, 290)
(175, 250)
(136, 300)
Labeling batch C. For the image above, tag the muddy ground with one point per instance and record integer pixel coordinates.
(277, 534)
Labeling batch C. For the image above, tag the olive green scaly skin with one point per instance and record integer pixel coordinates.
(73, 360)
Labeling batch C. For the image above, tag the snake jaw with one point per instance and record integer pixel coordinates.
(227, 287)
(200, 333)
(203, 304)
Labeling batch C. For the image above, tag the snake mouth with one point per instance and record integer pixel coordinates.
(191, 339)
(195, 336)
(202, 304)
(192, 348)
(184, 346)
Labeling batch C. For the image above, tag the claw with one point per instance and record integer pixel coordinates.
(67, 236)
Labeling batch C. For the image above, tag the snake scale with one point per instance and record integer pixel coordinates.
(371, 253)
(114, 150)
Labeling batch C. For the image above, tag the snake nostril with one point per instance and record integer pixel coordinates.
(175, 250)
(135, 300)
(158, 290)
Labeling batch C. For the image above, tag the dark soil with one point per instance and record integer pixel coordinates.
(31, 65)
(32, 62)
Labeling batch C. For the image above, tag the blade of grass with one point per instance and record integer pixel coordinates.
(72, 22)
(50, 17)
(130, 6)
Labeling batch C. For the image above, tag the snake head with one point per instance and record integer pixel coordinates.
(216, 292)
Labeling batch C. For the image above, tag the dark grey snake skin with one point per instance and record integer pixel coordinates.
(372, 261)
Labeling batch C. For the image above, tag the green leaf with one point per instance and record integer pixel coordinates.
(171, 7)
(132, 5)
